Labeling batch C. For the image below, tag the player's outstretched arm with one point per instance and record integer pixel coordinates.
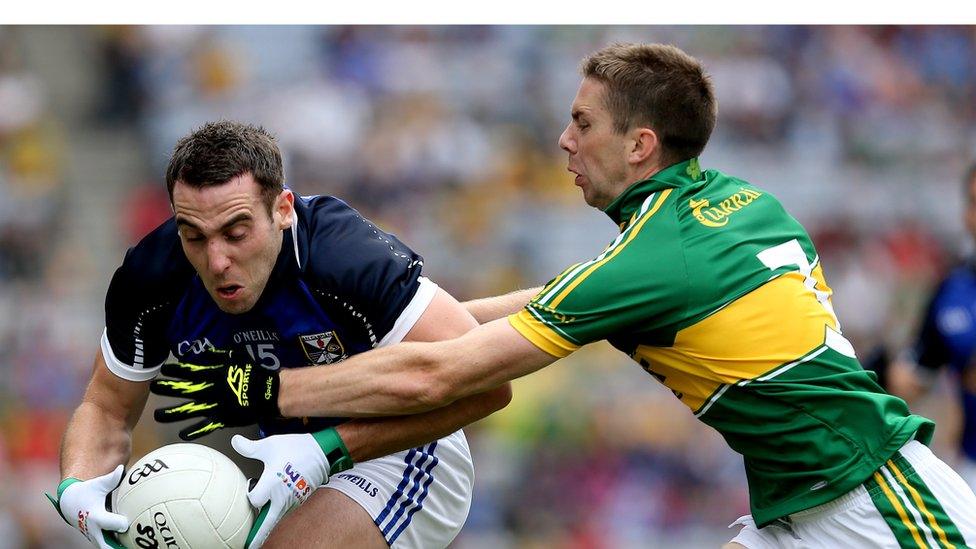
(411, 378)
(487, 309)
(367, 438)
(95, 446)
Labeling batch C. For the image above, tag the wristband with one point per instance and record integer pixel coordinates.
(61, 488)
(334, 449)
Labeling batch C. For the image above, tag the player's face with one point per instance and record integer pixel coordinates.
(970, 212)
(597, 154)
(230, 239)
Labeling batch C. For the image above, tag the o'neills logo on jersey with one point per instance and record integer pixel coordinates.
(718, 216)
(324, 348)
(249, 336)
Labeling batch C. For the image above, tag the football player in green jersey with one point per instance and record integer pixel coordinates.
(715, 290)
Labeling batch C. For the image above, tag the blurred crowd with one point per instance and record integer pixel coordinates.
(446, 136)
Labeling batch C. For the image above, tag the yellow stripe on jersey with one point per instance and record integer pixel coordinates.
(741, 341)
(541, 335)
(633, 233)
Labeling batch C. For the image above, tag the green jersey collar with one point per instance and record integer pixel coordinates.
(629, 201)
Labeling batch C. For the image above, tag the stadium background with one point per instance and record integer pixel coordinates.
(446, 136)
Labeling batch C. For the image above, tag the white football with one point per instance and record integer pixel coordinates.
(184, 496)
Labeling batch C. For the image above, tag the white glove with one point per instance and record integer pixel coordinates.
(82, 505)
(294, 467)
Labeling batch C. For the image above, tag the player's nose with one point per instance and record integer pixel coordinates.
(566, 141)
(217, 259)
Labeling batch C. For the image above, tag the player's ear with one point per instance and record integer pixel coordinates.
(284, 209)
(645, 145)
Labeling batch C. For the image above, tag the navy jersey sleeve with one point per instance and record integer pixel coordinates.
(349, 255)
(930, 350)
(139, 304)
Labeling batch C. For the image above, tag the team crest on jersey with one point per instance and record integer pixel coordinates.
(324, 348)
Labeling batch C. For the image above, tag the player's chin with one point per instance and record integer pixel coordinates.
(241, 302)
(593, 200)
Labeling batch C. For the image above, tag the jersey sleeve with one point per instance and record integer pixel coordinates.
(930, 350)
(373, 269)
(638, 285)
(139, 304)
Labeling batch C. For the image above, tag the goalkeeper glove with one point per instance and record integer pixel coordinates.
(231, 393)
(82, 504)
(294, 467)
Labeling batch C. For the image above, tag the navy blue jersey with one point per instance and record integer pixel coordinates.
(948, 338)
(339, 287)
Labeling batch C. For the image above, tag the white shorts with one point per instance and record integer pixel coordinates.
(967, 470)
(418, 498)
(921, 503)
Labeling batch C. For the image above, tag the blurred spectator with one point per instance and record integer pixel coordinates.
(123, 54)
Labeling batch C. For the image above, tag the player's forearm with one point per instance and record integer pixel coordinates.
(411, 378)
(492, 308)
(369, 438)
(98, 436)
(390, 381)
(94, 443)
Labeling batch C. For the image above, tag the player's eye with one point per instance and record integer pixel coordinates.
(193, 237)
(236, 236)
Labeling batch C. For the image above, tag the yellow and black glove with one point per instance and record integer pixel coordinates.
(229, 390)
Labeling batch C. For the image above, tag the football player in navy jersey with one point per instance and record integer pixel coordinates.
(248, 276)
(947, 337)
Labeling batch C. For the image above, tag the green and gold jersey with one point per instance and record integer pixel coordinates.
(719, 294)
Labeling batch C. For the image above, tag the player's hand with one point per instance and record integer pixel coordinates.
(232, 391)
(294, 467)
(81, 503)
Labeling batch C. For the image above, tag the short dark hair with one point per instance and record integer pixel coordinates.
(220, 151)
(660, 87)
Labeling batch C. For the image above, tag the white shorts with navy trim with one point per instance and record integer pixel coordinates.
(418, 498)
